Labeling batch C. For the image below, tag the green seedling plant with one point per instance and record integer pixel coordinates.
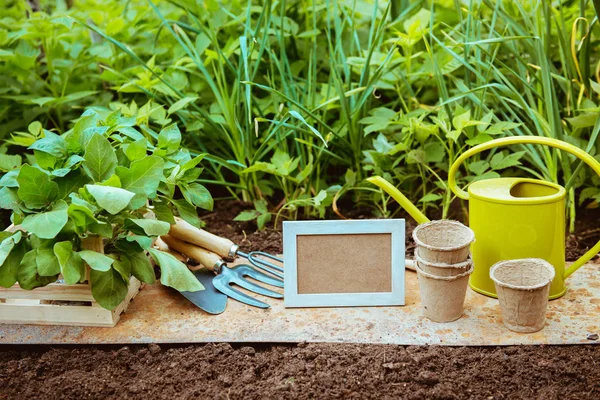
(101, 179)
(397, 89)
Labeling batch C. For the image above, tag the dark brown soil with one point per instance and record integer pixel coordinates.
(220, 222)
(305, 370)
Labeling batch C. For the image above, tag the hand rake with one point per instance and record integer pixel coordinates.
(226, 276)
(225, 247)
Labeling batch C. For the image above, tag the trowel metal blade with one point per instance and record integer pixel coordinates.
(210, 299)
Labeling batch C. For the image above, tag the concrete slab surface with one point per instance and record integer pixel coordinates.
(161, 315)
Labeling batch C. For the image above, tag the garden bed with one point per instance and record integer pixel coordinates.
(222, 371)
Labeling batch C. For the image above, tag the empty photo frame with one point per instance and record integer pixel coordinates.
(344, 263)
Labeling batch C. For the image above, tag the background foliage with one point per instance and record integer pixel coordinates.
(296, 102)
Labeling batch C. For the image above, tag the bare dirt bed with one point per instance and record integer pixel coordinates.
(305, 370)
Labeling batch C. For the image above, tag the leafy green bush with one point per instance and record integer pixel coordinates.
(99, 179)
(296, 102)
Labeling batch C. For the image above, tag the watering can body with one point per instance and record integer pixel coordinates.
(512, 218)
(516, 218)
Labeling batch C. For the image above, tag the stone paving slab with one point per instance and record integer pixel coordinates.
(161, 315)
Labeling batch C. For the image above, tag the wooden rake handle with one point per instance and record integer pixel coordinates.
(189, 233)
(207, 258)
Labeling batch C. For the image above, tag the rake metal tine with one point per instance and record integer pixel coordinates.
(246, 270)
(262, 264)
(222, 284)
(254, 260)
(253, 287)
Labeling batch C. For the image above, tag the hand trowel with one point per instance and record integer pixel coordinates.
(210, 299)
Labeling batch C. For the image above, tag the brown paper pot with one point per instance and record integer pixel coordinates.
(443, 297)
(443, 241)
(523, 286)
(443, 269)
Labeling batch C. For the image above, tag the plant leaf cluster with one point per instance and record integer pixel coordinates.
(102, 178)
(340, 88)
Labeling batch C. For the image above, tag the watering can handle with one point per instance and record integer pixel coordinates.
(569, 148)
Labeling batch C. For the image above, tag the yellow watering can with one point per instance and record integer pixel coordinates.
(511, 217)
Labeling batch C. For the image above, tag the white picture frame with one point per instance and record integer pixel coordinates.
(292, 230)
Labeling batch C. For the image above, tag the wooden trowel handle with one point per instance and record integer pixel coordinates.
(189, 233)
(207, 258)
(162, 246)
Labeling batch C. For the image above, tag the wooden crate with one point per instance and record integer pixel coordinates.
(62, 304)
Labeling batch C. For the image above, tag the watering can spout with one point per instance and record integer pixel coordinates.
(400, 198)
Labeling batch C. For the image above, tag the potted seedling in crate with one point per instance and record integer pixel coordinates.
(87, 205)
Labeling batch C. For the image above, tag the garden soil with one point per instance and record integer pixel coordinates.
(305, 370)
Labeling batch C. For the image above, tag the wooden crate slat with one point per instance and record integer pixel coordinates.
(18, 306)
(54, 291)
(134, 288)
(20, 310)
(51, 314)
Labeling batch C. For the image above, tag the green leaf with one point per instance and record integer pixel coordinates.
(11, 253)
(190, 164)
(48, 224)
(27, 274)
(169, 138)
(174, 273)
(141, 267)
(299, 117)
(81, 216)
(197, 195)
(45, 160)
(150, 227)
(8, 244)
(51, 144)
(47, 263)
(181, 104)
(261, 206)
(143, 176)
(501, 127)
(9, 179)
(378, 120)
(96, 261)
(108, 288)
(136, 150)
(163, 212)
(71, 264)
(187, 212)
(9, 199)
(262, 220)
(247, 215)
(350, 177)
(100, 158)
(71, 183)
(144, 242)
(112, 199)
(499, 161)
(36, 189)
(435, 152)
(101, 228)
(479, 139)
(122, 266)
(9, 162)
(430, 198)
(462, 120)
(479, 167)
(10, 266)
